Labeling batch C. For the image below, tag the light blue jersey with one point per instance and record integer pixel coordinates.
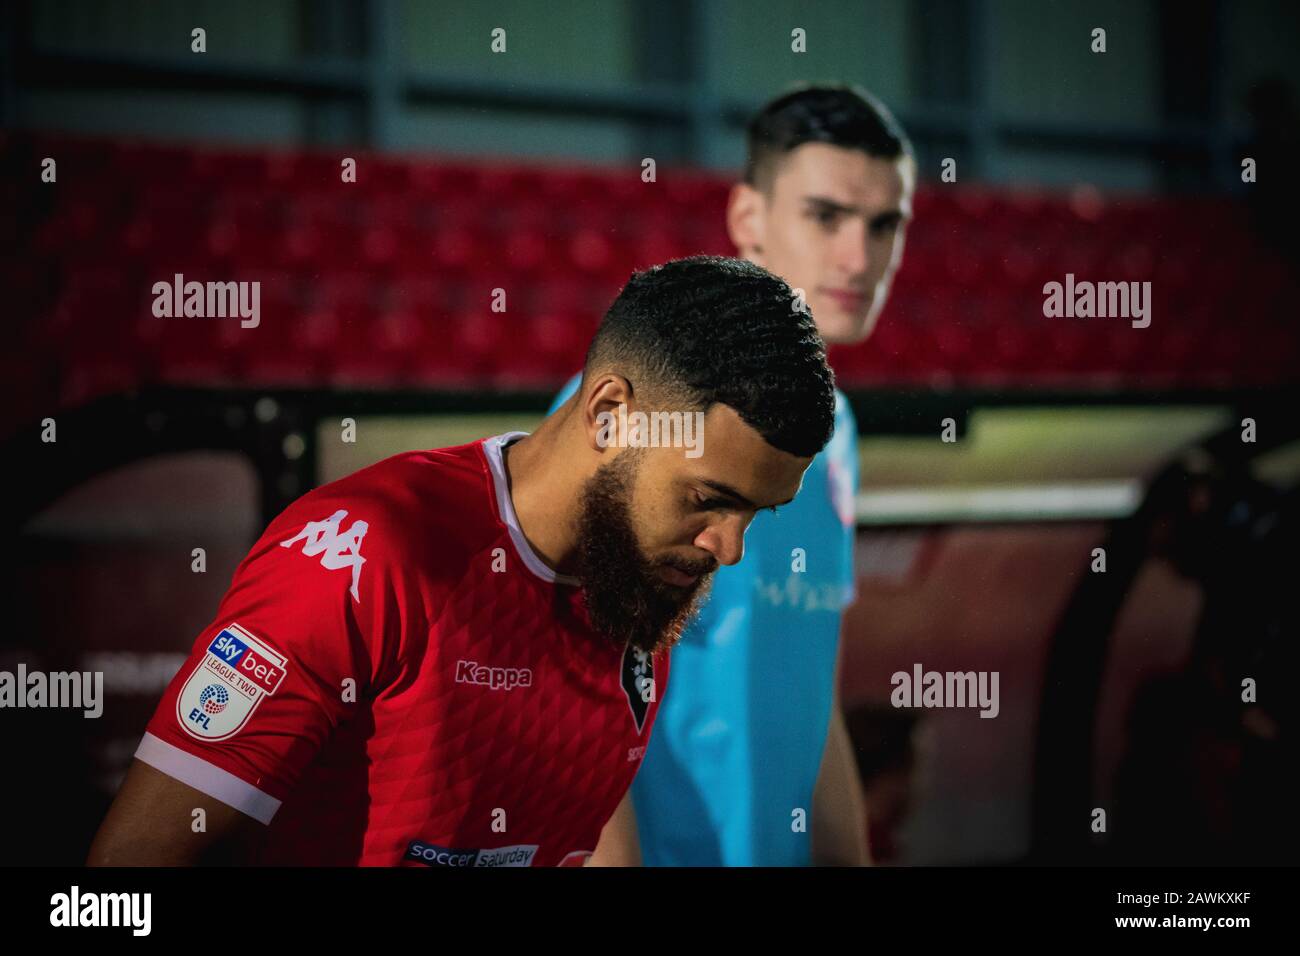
(741, 729)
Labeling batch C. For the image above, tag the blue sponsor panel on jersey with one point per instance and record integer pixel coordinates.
(228, 647)
(430, 854)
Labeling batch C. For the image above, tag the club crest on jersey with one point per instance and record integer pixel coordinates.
(638, 679)
(237, 670)
(337, 548)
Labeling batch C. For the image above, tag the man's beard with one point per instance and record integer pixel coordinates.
(626, 598)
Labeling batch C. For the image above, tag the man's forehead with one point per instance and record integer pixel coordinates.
(737, 456)
(723, 422)
(846, 176)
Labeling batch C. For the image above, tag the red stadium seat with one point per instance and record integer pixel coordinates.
(390, 279)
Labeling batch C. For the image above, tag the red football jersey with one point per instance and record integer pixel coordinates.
(395, 677)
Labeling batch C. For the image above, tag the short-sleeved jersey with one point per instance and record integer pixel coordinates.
(395, 677)
(740, 738)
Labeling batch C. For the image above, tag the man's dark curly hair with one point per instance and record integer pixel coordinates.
(835, 114)
(709, 329)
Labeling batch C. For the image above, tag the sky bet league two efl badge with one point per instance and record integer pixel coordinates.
(236, 672)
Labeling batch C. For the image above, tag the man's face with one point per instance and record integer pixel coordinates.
(655, 524)
(832, 223)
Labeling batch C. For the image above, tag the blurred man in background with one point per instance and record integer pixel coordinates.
(752, 764)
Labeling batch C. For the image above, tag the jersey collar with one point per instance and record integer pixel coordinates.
(492, 450)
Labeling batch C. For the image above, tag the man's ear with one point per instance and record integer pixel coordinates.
(746, 221)
(600, 405)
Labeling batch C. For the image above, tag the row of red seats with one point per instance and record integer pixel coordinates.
(208, 171)
(469, 355)
(393, 285)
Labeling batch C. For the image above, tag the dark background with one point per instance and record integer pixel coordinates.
(522, 171)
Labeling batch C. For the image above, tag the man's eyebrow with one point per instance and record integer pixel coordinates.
(731, 492)
(826, 204)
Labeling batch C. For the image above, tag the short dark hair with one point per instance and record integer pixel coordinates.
(839, 115)
(709, 329)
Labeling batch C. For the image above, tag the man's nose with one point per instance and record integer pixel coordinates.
(853, 255)
(725, 539)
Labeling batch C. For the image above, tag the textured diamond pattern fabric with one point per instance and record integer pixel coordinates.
(487, 713)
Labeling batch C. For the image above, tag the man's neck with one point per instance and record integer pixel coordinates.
(545, 490)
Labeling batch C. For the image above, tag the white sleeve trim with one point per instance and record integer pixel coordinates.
(207, 778)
